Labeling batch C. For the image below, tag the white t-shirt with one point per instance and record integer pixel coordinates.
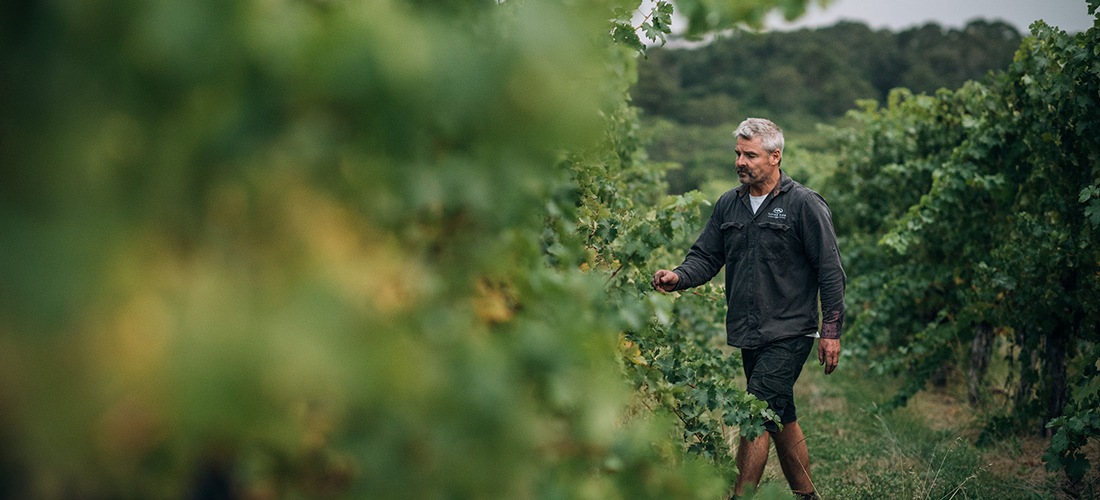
(756, 201)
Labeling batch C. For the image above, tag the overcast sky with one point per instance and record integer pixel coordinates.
(1070, 15)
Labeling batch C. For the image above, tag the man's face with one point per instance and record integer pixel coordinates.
(754, 164)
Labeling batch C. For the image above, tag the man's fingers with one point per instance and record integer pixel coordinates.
(658, 281)
(664, 280)
(828, 354)
(831, 362)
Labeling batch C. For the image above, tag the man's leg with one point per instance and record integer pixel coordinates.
(751, 457)
(771, 372)
(790, 445)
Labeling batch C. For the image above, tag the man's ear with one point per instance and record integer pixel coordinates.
(776, 156)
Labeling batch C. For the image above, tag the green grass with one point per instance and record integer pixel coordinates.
(926, 450)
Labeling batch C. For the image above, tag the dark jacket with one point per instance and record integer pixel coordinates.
(776, 262)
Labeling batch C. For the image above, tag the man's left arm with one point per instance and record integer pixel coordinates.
(821, 250)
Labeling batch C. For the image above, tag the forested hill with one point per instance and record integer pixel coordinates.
(815, 75)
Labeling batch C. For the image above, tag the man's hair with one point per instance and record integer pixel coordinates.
(771, 137)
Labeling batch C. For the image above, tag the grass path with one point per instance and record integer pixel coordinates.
(858, 450)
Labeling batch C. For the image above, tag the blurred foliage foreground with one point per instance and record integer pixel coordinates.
(287, 249)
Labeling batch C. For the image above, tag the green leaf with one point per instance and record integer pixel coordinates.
(1088, 192)
(626, 35)
(665, 8)
(652, 32)
(1076, 466)
(1092, 212)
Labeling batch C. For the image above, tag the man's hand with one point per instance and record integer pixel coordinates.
(828, 353)
(665, 281)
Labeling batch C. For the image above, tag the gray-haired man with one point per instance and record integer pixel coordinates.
(775, 237)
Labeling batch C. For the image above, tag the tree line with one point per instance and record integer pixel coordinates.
(813, 75)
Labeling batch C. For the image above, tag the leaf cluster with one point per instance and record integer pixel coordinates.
(318, 249)
(975, 206)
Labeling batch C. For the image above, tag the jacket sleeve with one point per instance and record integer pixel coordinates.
(706, 257)
(821, 250)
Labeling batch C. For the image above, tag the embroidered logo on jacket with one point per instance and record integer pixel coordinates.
(777, 214)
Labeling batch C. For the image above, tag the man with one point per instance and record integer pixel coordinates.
(775, 237)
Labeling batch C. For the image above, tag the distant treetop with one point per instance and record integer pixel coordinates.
(815, 74)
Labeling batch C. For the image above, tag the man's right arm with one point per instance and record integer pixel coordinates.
(703, 261)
